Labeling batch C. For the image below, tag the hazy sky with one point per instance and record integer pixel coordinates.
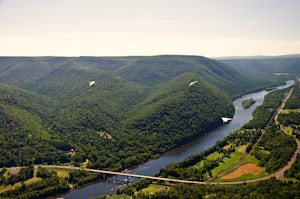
(149, 27)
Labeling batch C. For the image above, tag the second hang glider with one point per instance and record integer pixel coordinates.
(192, 83)
(92, 83)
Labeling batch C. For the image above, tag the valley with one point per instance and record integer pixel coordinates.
(137, 109)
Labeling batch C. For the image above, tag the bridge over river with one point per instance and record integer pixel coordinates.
(167, 179)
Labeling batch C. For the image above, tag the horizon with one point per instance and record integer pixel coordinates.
(72, 28)
(113, 56)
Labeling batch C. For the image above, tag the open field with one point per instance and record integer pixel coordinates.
(62, 173)
(242, 149)
(212, 156)
(248, 168)
(234, 157)
(286, 111)
(19, 184)
(153, 188)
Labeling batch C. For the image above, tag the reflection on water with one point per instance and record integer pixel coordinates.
(241, 116)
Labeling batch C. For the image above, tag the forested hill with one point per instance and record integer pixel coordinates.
(139, 107)
(266, 67)
(36, 72)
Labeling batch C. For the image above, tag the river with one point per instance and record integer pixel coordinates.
(241, 116)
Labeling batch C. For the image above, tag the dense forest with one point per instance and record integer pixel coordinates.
(138, 108)
(266, 67)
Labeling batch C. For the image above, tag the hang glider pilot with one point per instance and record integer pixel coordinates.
(92, 83)
(192, 83)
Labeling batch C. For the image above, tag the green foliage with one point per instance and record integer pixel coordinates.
(279, 146)
(143, 103)
(294, 102)
(41, 189)
(80, 177)
(294, 171)
(267, 68)
(24, 174)
(141, 121)
(248, 102)
(289, 118)
(263, 113)
(197, 166)
(265, 189)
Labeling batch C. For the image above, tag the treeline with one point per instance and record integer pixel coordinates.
(25, 173)
(294, 171)
(263, 113)
(265, 189)
(291, 118)
(274, 149)
(294, 102)
(48, 184)
(81, 177)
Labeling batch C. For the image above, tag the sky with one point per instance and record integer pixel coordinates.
(212, 28)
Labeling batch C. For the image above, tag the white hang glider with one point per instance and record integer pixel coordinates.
(226, 119)
(192, 83)
(92, 83)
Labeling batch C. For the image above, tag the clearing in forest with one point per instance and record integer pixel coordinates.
(249, 168)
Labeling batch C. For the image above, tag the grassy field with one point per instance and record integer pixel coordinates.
(212, 156)
(234, 157)
(19, 184)
(251, 171)
(245, 169)
(62, 173)
(286, 111)
(153, 188)
(242, 149)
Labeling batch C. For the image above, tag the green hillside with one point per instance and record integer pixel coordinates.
(267, 67)
(24, 131)
(180, 111)
(30, 72)
(138, 108)
(157, 69)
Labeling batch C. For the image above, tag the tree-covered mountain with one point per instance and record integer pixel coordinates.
(29, 72)
(139, 107)
(266, 67)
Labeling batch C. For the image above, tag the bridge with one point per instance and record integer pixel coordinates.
(123, 174)
(157, 178)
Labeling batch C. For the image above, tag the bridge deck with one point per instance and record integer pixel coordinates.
(155, 178)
